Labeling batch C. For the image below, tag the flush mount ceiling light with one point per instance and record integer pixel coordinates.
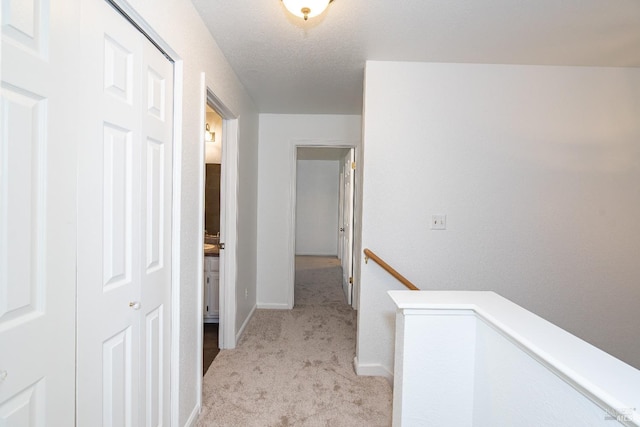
(306, 8)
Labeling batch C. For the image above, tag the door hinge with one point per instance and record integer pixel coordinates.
(353, 165)
(351, 280)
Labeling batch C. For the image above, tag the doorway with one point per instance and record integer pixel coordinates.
(324, 206)
(211, 244)
(221, 269)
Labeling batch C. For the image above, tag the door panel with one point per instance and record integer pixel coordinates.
(347, 224)
(117, 189)
(155, 188)
(108, 224)
(117, 368)
(124, 261)
(23, 190)
(25, 408)
(156, 193)
(118, 69)
(154, 366)
(26, 24)
(37, 214)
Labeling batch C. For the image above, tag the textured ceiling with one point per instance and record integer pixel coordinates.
(291, 66)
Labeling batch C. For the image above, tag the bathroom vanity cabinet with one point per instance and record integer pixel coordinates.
(211, 289)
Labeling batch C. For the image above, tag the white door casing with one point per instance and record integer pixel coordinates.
(37, 214)
(124, 225)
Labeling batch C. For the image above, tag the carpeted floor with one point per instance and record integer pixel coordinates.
(295, 367)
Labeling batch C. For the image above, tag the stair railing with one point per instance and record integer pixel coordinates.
(369, 255)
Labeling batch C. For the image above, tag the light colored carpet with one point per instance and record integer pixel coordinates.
(295, 367)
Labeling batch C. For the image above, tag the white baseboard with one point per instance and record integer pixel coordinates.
(273, 306)
(372, 370)
(193, 417)
(244, 324)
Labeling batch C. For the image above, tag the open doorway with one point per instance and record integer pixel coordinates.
(324, 209)
(223, 152)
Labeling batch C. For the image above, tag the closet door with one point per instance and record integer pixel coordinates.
(37, 213)
(124, 217)
(155, 281)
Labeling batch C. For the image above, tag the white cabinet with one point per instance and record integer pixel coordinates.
(211, 289)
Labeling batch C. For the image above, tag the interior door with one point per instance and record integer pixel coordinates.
(124, 217)
(347, 224)
(37, 214)
(156, 199)
(341, 212)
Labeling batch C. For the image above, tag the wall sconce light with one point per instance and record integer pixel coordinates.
(208, 135)
(306, 8)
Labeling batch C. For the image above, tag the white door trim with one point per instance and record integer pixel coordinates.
(293, 157)
(199, 255)
(176, 250)
(138, 21)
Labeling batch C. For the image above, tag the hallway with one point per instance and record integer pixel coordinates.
(295, 367)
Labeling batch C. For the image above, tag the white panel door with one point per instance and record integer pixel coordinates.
(156, 186)
(124, 217)
(347, 224)
(37, 214)
(109, 234)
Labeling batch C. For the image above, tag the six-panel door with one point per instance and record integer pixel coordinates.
(38, 98)
(124, 218)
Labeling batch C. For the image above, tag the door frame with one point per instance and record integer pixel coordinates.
(228, 214)
(131, 15)
(294, 144)
(228, 225)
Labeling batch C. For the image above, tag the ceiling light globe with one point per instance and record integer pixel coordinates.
(306, 8)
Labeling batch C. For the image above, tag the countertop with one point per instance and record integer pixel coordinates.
(211, 251)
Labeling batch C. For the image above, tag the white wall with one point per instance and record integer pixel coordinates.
(317, 207)
(537, 170)
(199, 53)
(213, 149)
(489, 362)
(279, 135)
(501, 369)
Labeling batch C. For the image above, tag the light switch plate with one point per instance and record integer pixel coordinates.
(438, 222)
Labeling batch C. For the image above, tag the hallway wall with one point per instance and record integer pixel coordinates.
(317, 207)
(537, 170)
